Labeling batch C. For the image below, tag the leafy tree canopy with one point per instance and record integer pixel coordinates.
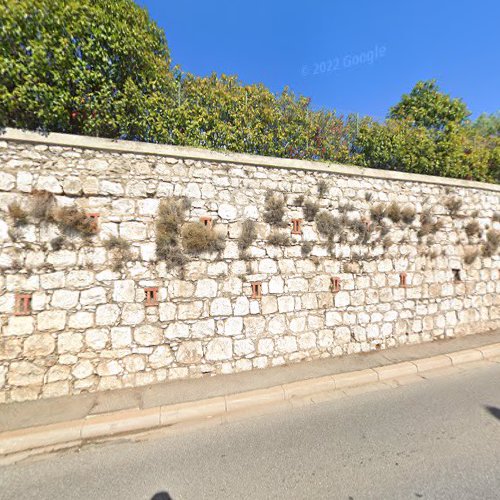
(426, 106)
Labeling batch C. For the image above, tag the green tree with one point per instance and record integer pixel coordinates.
(487, 125)
(83, 66)
(426, 106)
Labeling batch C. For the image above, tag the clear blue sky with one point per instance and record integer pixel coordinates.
(322, 49)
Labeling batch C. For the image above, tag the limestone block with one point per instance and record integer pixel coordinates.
(219, 349)
(189, 353)
(286, 344)
(24, 373)
(342, 334)
(227, 212)
(109, 187)
(254, 326)
(19, 325)
(244, 347)
(72, 185)
(49, 183)
(286, 304)
(4, 231)
(342, 299)
(134, 363)
(148, 207)
(79, 279)
(133, 314)
(121, 336)
(83, 369)
(124, 291)
(57, 373)
(233, 326)
(24, 181)
(277, 325)
(52, 319)
(276, 284)
(190, 310)
(161, 357)
(269, 304)
(93, 296)
(38, 346)
(62, 258)
(220, 307)
(268, 266)
(148, 335)
(241, 306)
(295, 285)
(52, 280)
(177, 331)
(107, 314)
(133, 231)
(107, 368)
(97, 338)
(167, 311)
(298, 325)
(136, 189)
(203, 329)
(69, 342)
(265, 346)
(307, 341)
(65, 299)
(148, 251)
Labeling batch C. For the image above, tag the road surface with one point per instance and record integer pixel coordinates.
(434, 439)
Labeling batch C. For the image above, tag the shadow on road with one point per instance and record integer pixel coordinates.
(161, 495)
(494, 411)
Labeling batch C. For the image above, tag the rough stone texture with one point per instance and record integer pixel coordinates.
(90, 329)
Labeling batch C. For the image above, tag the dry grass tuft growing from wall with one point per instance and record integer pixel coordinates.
(171, 216)
(279, 239)
(18, 215)
(247, 235)
(73, 220)
(198, 238)
(274, 210)
(120, 249)
(310, 209)
(43, 204)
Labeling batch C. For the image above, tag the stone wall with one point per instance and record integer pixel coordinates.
(89, 328)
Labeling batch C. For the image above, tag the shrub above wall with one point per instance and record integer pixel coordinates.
(122, 267)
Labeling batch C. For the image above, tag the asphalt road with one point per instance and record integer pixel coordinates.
(434, 439)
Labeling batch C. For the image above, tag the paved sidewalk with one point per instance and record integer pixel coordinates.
(15, 416)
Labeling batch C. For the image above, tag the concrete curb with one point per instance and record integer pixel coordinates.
(18, 444)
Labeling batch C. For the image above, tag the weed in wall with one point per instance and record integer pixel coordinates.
(452, 204)
(299, 200)
(274, 210)
(322, 188)
(393, 212)
(306, 248)
(473, 228)
(327, 224)
(310, 210)
(278, 239)
(377, 212)
(408, 214)
(18, 215)
(171, 216)
(198, 238)
(492, 243)
(470, 255)
(43, 204)
(57, 243)
(120, 248)
(247, 235)
(74, 221)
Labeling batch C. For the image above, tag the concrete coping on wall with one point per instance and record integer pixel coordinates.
(131, 147)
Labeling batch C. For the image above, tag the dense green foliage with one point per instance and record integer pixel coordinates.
(102, 67)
